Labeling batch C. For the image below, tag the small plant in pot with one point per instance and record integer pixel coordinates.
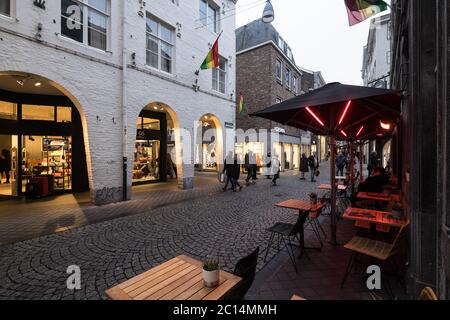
(313, 197)
(211, 273)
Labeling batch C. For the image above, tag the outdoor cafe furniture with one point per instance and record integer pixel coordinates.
(178, 279)
(374, 249)
(288, 230)
(328, 187)
(378, 220)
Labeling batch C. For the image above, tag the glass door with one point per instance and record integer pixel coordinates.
(8, 166)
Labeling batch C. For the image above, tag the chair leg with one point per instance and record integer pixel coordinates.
(317, 232)
(349, 269)
(269, 246)
(322, 229)
(290, 253)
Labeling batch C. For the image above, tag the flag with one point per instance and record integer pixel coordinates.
(360, 10)
(242, 104)
(212, 59)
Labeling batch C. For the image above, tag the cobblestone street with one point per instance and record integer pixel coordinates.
(227, 225)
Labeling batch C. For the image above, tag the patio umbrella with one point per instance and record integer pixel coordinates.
(338, 111)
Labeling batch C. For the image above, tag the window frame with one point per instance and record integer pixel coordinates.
(279, 64)
(86, 8)
(288, 78)
(208, 24)
(218, 72)
(12, 10)
(160, 41)
(295, 84)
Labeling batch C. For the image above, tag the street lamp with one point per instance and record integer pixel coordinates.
(268, 14)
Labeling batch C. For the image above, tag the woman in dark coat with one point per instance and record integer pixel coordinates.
(236, 173)
(303, 166)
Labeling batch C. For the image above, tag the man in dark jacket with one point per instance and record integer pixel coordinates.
(303, 166)
(375, 182)
(313, 164)
(341, 161)
(228, 169)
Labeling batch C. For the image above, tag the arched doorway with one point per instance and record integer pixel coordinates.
(41, 138)
(157, 148)
(209, 145)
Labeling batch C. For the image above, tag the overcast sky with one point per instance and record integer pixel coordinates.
(318, 33)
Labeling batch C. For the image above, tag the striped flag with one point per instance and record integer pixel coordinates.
(212, 59)
(242, 104)
(360, 10)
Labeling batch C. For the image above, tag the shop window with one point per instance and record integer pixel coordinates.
(92, 31)
(64, 114)
(160, 45)
(40, 113)
(146, 165)
(5, 7)
(8, 110)
(148, 124)
(151, 124)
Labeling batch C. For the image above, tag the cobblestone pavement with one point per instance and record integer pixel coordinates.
(228, 225)
(23, 220)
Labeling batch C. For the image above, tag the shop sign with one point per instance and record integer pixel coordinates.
(279, 130)
(229, 125)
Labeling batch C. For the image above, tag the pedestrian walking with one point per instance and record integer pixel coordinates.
(313, 164)
(235, 173)
(341, 162)
(275, 169)
(303, 166)
(228, 171)
(250, 166)
(5, 165)
(267, 168)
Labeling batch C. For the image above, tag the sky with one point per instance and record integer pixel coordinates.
(318, 33)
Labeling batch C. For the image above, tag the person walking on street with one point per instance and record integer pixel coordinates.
(268, 166)
(228, 171)
(275, 169)
(340, 164)
(313, 164)
(235, 173)
(5, 165)
(303, 167)
(250, 166)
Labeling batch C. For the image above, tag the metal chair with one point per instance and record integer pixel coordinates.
(313, 220)
(285, 232)
(246, 269)
(378, 250)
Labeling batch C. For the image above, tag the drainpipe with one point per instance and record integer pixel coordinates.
(124, 102)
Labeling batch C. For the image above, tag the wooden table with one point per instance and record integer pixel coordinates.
(373, 217)
(303, 208)
(178, 279)
(378, 197)
(325, 186)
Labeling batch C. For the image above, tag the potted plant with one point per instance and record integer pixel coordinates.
(313, 198)
(211, 273)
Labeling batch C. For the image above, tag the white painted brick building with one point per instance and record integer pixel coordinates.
(98, 83)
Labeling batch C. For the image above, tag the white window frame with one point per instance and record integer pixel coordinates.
(86, 8)
(288, 78)
(216, 73)
(211, 26)
(279, 63)
(12, 10)
(295, 84)
(160, 41)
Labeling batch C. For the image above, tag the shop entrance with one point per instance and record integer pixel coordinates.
(150, 152)
(41, 140)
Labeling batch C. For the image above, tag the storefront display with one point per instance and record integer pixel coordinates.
(146, 165)
(43, 138)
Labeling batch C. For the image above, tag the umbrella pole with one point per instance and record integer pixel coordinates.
(352, 167)
(361, 168)
(333, 189)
